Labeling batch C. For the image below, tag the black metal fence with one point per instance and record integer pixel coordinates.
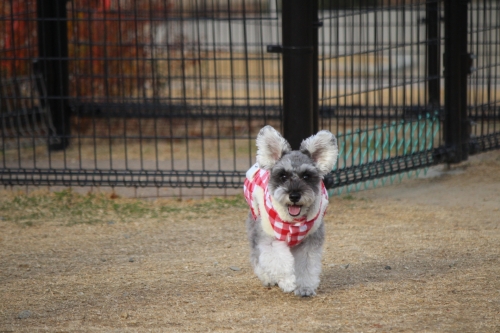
(170, 94)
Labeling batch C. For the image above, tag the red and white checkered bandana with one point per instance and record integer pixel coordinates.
(291, 232)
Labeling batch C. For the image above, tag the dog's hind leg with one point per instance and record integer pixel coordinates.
(307, 257)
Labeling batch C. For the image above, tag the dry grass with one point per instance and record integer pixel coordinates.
(101, 263)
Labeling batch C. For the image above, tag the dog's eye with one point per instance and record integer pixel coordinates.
(283, 176)
(305, 176)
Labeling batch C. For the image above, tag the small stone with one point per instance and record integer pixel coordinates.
(345, 266)
(126, 236)
(234, 268)
(24, 314)
(111, 222)
(131, 260)
(103, 259)
(124, 315)
(387, 268)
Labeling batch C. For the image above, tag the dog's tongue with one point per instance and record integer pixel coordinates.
(294, 210)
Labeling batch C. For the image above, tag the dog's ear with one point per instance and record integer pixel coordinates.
(323, 149)
(270, 147)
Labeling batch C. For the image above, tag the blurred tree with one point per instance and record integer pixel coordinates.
(108, 42)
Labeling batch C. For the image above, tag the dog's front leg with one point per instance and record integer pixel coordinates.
(276, 263)
(308, 263)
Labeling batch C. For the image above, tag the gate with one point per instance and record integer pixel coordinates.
(168, 96)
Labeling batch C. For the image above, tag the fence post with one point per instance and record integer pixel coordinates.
(432, 20)
(457, 63)
(315, 41)
(53, 65)
(298, 70)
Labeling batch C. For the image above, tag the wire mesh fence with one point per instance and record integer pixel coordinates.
(374, 89)
(162, 93)
(483, 82)
(169, 95)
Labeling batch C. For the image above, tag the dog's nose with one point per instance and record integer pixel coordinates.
(294, 197)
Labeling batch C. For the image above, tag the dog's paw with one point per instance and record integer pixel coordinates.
(287, 285)
(305, 292)
(266, 280)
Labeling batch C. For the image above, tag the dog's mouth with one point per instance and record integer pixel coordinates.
(294, 210)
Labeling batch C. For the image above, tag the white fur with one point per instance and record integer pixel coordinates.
(276, 265)
(295, 269)
(270, 147)
(307, 268)
(323, 149)
(258, 201)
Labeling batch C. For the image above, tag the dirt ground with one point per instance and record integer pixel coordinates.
(419, 256)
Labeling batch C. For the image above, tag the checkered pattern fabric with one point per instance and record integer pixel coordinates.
(291, 232)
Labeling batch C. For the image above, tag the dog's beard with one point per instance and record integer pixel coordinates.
(298, 209)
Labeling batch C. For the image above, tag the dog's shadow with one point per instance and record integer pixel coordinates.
(345, 276)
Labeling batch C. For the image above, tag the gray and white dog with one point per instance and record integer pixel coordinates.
(287, 201)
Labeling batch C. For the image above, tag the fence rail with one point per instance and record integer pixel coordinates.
(170, 94)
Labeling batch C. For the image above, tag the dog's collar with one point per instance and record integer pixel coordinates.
(292, 232)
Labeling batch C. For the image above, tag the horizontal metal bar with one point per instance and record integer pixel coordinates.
(485, 143)
(198, 178)
(383, 168)
(162, 110)
(120, 178)
(270, 111)
(29, 112)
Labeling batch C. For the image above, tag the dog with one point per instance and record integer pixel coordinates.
(288, 200)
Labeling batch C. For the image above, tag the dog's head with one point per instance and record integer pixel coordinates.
(296, 175)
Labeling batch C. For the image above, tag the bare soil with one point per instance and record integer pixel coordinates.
(419, 256)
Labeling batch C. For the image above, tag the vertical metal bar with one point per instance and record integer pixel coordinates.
(53, 57)
(316, 24)
(298, 68)
(457, 65)
(433, 53)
